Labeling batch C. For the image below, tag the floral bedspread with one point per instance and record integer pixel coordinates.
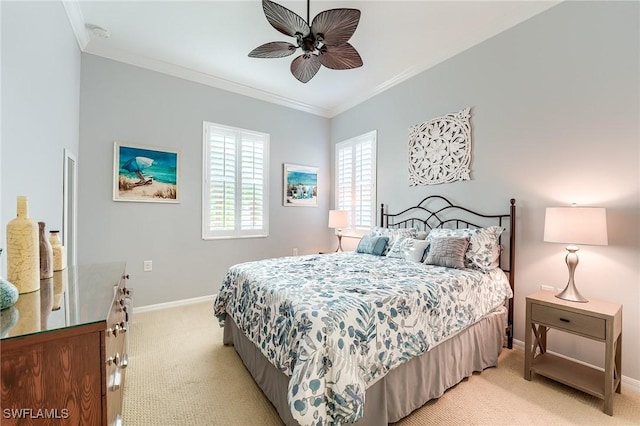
(336, 323)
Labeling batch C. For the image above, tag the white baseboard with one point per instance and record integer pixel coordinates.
(184, 302)
(628, 384)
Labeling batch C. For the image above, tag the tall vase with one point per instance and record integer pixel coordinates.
(59, 253)
(46, 254)
(46, 302)
(59, 287)
(23, 253)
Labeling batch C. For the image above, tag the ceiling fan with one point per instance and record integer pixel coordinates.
(325, 42)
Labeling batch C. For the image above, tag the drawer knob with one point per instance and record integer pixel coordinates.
(564, 320)
(115, 360)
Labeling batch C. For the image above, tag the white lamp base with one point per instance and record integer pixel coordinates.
(339, 242)
(570, 292)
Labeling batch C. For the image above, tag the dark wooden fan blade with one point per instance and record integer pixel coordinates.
(342, 57)
(284, 20)
(304, 67)
(275, 49)
(335, 26)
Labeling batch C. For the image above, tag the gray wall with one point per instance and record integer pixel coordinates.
(40, 108)
(129, 104)
(555, 120)
(555, 109)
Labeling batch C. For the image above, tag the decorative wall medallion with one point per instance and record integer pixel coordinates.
(440, 149)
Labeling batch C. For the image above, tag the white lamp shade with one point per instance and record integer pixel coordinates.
(576, 225)
(338, 218)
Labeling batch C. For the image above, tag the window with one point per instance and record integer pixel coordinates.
(235, 190)
(355, 173)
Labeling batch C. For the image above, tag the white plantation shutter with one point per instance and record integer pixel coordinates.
(235, 190)
(252, 184)
(356, 180)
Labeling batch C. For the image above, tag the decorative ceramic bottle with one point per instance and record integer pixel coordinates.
(46, 302)
(59, 287)
(23, 255)
(46, 254)
(59, 253)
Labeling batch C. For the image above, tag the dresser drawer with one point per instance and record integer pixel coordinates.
(570, 321)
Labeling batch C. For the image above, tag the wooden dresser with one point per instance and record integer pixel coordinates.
(64, 349)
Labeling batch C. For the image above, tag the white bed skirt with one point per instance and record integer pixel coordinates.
(405, 388)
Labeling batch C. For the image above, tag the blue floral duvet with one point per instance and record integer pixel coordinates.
(337, 323)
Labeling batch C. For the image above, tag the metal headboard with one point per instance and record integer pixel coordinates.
(436, 211)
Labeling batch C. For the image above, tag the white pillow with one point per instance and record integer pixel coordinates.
(393, 234)
(408, 248)
(422, 235)
(483, 252)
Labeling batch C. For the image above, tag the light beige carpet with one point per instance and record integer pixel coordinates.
(179, 373)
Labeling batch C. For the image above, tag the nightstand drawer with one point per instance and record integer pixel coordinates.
(570, 321)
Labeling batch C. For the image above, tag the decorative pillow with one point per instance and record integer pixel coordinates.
(483, 252)
(372, 245)
(448, 252)
(422, 235)
(408, 248)
(393, 234)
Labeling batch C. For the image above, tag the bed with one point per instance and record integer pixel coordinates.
(367, 338)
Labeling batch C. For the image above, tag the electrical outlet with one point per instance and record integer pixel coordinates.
(547, 287)
(295, 251)
(147, 266)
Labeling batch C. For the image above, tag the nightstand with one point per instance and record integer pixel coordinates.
(596, 320)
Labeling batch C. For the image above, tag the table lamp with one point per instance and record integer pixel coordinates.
(338, 219)
(575, 225)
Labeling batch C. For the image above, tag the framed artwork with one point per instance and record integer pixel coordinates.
(300, 188)
(440, 149)
(145, 174)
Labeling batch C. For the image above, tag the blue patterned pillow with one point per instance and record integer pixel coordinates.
(372, 245)
(408, 248)
(483, 252)
(393, 234)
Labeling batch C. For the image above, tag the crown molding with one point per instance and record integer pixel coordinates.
(203, 78)
(386, 85)
(429, 63)
(76, 19)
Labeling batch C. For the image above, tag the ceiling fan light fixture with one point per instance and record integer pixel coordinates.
(323, 43)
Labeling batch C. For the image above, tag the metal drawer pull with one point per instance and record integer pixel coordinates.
(115, 330)
(564, 320)
(116, 380)
(117, 421)
(115, 360)
(125, 361)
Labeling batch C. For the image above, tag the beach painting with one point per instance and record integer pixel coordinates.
(145, 174)
(300, 186)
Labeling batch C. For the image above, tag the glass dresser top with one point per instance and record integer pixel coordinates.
(74, 296)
